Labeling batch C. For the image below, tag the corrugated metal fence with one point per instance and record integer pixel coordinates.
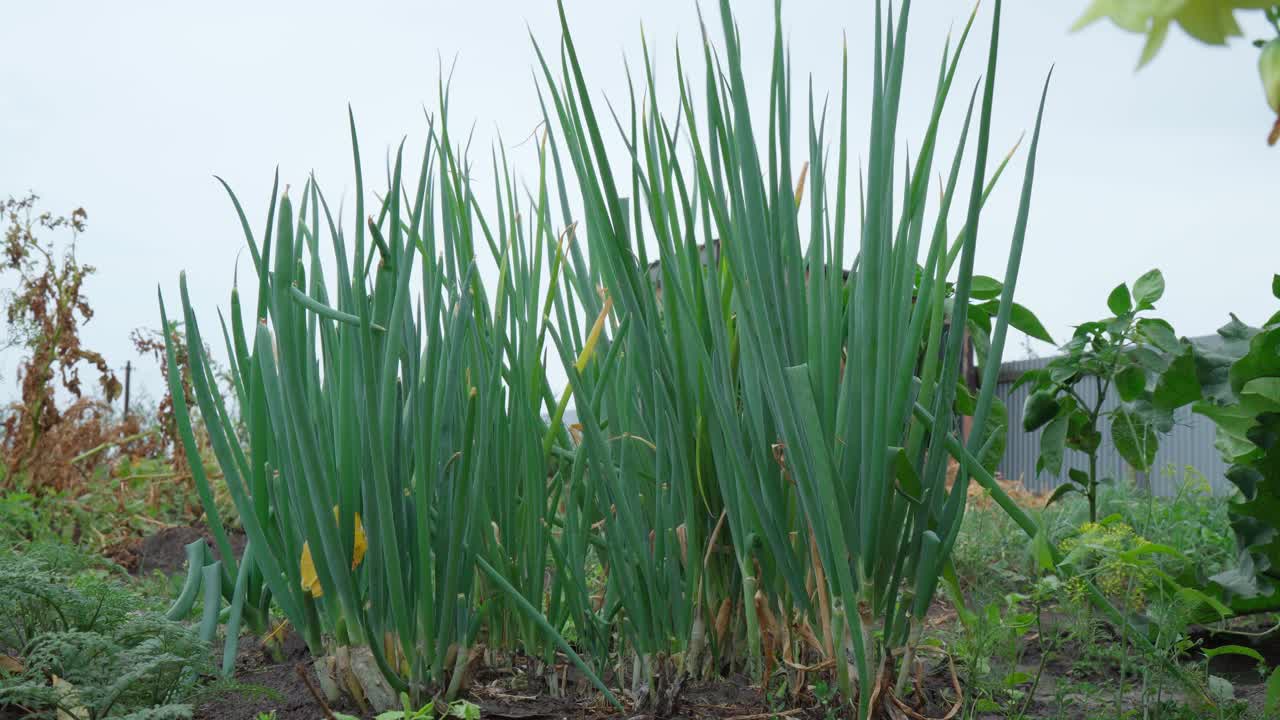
(1189, 445)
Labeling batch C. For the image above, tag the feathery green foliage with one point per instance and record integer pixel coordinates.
(83, 647)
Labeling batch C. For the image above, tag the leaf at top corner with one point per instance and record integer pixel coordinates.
(1155, 40)
(1210, 22)
(1132, 16)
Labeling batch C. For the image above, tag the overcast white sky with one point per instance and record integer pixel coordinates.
(129, 110)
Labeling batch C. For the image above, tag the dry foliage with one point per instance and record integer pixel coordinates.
(167, 441)
(148, 341)
(65, 457)
(978, 497)
(44, 314)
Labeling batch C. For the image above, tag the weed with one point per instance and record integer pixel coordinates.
(80, 644)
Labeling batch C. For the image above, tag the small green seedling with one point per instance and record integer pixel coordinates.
(461, 709)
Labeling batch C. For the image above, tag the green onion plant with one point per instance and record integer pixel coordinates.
(767, 380)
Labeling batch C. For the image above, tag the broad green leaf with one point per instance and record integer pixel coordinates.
(1197, 597)
(1272, 704)
(1064, 374)
(1159, 418)
(908, 480)
(1134, 439)
(1148, 289)
(1148, 358)
(1159, 333)
(1132, 16)
(965, 402)
(1150, 548)
(1131, 382)
(985, 288)
(1155, 40)
(980, 319)
(1119, 301)
(1261, 395)
(1208, 22)
(1234, 650)
(1041, 549)
(1112, 519)
(1060, 492)
(1052, 444)
(1178, 385)
(1023, 319)
(995, 435)
(1034, 377)
(1016, 678)
(1262, 360)
(1081, 433)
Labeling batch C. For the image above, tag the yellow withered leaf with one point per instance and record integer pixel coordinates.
(360, 543)
(307, 566)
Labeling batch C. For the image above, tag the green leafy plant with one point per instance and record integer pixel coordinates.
(461, 709)
(1125, 353)
(1195, 520)
(1130, 569)
(1236, 381)
(995, 634)
(19, 522)
(1115, 557)
(77, 644)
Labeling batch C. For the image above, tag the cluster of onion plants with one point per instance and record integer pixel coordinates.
(798, 401)
(765, 378)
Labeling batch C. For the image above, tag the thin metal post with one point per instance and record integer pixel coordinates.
(128, 375)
